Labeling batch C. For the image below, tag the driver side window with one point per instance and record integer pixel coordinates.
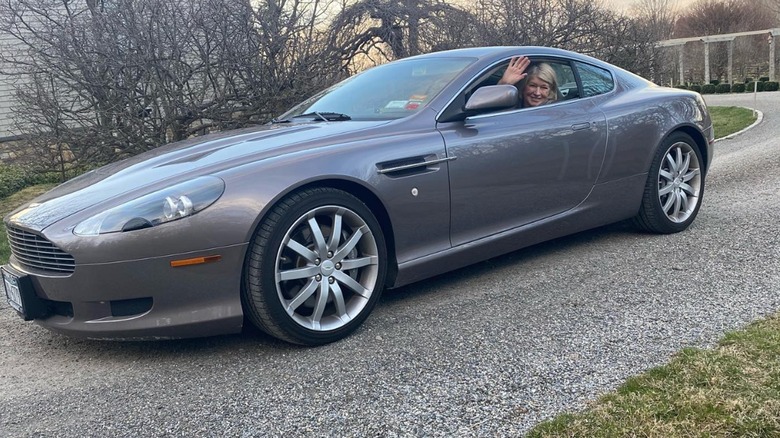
(548, 81)
(490, 78)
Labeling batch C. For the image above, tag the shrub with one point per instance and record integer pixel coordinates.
(771, 86)
(714, 82)
(763, 79)
(723, 88)
(14, 178)
(696, 88)
(738, 88)
(749, 87)
(681, 86)
(748, 80)
(708, 89)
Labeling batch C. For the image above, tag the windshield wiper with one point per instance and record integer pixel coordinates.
(325, 116)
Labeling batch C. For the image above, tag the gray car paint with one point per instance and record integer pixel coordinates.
(437, 217)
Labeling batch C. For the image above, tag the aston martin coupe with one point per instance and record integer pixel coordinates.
(402, 172)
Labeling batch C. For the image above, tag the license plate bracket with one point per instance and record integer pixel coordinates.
(20, 294)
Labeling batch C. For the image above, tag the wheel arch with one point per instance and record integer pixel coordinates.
(365, 195)
(698, 137)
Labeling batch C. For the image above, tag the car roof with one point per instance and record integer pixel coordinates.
(490, 54)
(504, 51)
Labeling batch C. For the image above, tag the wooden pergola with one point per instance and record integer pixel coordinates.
(729, 38)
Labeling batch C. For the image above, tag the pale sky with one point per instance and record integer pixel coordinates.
(624, 5)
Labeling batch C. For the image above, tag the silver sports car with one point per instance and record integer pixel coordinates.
(400, 173)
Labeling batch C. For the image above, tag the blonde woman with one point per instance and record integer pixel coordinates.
(541, 84)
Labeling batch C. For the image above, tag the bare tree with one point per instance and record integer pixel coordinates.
(713, 17)
(112, 78)
(655, 19)
(294, 51)
(381, 30)
(774, 6)
(658, 15)
(580, 25)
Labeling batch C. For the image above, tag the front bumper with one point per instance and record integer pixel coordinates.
(141, 299)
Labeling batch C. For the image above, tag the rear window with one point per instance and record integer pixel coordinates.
(595, 80)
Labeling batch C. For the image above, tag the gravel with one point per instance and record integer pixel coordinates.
(489, 350)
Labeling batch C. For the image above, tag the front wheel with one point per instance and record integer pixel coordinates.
(674, 188)
(316, 267)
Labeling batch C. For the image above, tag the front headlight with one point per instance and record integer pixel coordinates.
(175, 202)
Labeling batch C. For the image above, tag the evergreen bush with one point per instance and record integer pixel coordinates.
(738, 88)
(723, 88)
(12, 179)
(771, 86)
(708, 89)
(15, 177)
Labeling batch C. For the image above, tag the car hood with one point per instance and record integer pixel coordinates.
(179, 161)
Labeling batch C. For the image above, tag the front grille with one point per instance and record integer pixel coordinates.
(36, 252)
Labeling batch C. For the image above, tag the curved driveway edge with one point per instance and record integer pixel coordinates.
(759, 119)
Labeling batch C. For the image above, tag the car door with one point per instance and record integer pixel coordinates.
(515, 167)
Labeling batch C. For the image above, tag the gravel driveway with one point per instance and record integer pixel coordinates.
(489, 350)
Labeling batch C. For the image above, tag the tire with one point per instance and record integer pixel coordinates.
(305, 284)
(674, 188)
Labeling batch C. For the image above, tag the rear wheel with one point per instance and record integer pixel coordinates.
(675, 186)
(316, 267)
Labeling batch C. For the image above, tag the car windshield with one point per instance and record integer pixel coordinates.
(386, 92)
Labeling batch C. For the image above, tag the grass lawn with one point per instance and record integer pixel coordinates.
(731, 391)
(730, 119)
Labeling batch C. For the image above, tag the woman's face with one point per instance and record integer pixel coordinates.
(536, 91)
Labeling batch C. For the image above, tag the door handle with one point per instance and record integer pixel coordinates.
(580, 126)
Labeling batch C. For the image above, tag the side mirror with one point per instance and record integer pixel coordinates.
(491, 98)
(483, 99)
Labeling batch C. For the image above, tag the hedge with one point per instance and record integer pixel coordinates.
(749, 86)
(771, 86)
(723, 88)
(738, 88)
(696, 88)
(14, 178)
(708, 89)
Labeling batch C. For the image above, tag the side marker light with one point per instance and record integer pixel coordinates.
(195, 261)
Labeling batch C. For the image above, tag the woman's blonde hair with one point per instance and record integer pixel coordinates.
(546, 73)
